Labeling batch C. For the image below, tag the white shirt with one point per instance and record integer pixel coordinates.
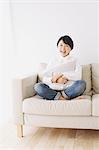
(68, 66)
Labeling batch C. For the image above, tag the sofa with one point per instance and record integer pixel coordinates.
(31, 109)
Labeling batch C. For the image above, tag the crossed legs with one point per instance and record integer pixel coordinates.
(73, 91)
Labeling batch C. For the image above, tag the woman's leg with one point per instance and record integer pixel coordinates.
(46, 92)
(75, 90)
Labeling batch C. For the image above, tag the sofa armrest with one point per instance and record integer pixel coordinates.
(22, 88)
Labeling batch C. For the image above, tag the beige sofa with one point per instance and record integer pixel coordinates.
(30, 109)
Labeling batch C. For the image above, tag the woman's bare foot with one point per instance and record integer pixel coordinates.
(62, 98)
(79, 97)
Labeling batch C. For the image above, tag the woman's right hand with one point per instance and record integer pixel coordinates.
(62, 80)
(56, 76)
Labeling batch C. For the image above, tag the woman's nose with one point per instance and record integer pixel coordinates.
(63, 49)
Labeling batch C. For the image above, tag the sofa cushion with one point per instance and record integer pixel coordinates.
(95, 105)
(86, 75)
(37, 105)
(95, 78)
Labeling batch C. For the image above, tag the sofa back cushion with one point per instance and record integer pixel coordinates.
(86, 75)
(95, 78)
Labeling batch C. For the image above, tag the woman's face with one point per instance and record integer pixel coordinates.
(63, 48)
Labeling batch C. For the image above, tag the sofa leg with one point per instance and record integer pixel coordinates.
(20, 130)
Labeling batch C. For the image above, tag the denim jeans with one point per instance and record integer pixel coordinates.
(76, 89)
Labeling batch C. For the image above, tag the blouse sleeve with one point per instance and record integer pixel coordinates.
(47, 74)
(76, 74)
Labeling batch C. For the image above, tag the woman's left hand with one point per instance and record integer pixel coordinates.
(56, 76)
(62, 80)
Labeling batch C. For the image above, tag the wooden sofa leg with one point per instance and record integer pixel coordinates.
(20, 130)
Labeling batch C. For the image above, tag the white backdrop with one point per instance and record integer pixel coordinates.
(30, 31)
(98, 31)
(37, 27)
(6, 55)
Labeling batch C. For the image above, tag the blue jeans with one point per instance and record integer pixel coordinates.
(76, 89)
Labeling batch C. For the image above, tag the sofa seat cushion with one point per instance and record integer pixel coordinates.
(39, 106)
(95, 105)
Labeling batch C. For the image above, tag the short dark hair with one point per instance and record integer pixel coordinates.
(67, 40)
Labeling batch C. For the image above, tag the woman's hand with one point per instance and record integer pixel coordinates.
(59, 78)
(56, 76)
(62, 80)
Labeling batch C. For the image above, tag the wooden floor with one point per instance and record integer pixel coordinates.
(48, 139)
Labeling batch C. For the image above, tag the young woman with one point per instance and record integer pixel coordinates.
(62, 79)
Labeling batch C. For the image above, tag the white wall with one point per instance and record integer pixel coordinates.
(6, 56)
(30, 33)
(98, 32)
(39, 25)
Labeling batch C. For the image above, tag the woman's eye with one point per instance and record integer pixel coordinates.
(66, 45)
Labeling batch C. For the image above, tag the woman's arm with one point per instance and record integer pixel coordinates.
(74, 75)
(53, 79)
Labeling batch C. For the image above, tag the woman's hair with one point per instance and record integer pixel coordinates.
(67, 40)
